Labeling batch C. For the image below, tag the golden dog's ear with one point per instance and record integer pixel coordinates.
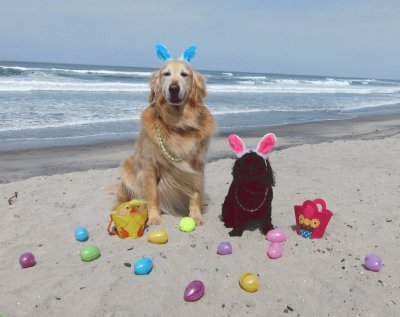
(198, 89)
(154, 86)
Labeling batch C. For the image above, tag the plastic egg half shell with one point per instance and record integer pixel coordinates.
(249, 282)
(276, 235)
(224, 248)
(89, 253)
(194, 291)
(157, 236)
(275, 250)
(187, 224)
(373, 262)
(26, 260)
(143, 266)
(81, 234)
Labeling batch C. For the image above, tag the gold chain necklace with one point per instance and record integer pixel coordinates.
(250, 210)
(162, 146)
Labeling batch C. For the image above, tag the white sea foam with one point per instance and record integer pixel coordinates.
(252, 77)
(38, 85)
(251, 87)
(103, 72)
(21, 126)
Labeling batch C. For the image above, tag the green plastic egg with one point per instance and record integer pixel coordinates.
(187, 224)
(89, 253)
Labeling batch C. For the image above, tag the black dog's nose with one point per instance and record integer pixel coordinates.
(174, 89)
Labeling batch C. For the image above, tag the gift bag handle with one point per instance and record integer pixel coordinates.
(320, 201)
(310, 207)
(113, 231)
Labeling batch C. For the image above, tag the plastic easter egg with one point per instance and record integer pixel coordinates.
(89, 253)
(26, 260)
(249, 282)
(81, 234)
(373, 262)
(187, 224)
(224, 248)
(143, 266)
(194, 291)
(157, 236)
(276, 235)
(274, 250)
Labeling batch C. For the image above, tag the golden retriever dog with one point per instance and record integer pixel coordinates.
(166, 168)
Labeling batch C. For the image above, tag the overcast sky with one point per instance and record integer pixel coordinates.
(355, 38)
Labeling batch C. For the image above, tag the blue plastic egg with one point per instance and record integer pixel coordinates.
(81, 234)
(143, 266)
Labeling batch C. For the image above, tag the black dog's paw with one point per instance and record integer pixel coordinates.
(267, 227)
(236, 233)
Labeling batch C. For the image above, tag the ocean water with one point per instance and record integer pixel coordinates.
(44, 105)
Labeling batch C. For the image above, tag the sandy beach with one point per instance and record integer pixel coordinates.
(351, 164)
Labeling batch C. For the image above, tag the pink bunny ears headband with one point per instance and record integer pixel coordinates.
(264, 147)
(163, 53)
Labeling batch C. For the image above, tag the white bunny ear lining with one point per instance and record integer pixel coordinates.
(264, 147)
(237, 145)
(266, 144)
(163, 53)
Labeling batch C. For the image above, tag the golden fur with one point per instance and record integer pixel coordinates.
(185, 125)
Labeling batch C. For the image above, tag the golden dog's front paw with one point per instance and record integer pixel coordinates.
(197, 217)
(154, 220)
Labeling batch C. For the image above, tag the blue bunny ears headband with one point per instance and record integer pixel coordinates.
(163, 53)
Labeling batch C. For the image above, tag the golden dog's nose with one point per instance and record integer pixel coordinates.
(174, 89)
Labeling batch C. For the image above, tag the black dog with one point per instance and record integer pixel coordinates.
(250, 194)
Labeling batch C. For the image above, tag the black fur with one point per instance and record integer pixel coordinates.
(251, 189)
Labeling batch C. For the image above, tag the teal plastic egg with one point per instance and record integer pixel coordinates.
(89, 253)
(81, 234)
(143, 266)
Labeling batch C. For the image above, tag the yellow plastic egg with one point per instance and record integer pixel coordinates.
(249, 282)
(157, 236)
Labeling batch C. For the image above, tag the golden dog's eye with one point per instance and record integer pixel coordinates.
(166, 74)
(183, 74)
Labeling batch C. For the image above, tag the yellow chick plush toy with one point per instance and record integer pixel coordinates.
(130, 219)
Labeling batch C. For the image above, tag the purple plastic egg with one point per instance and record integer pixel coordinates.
(373, 262)
(26, 260)
(194, 291)
(276, 235)
(274, 250)
(224, 248)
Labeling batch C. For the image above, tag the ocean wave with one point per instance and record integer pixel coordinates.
(18, 126)
(266, 87)
(326, 82)
(103, 72)
(251, 77)
(72, 136)
(19, 70)
(32, 85)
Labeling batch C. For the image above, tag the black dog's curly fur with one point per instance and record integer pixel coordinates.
(250, 194)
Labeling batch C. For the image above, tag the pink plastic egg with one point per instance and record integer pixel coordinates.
(224, 248)
(194, 291)
(274, 250)
(276, 235)
(26, 260)
(373, 262)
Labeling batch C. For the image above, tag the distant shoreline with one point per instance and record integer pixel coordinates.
(22, 164)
